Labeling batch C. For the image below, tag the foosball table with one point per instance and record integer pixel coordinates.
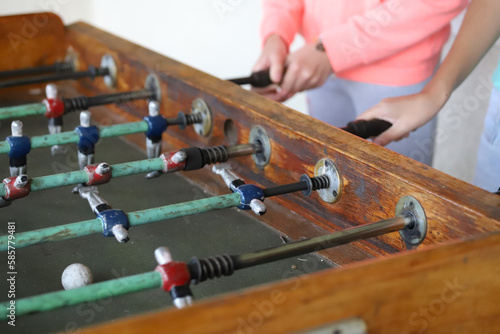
(272, 221)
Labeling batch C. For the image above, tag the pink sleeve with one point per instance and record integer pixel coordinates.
(281, 17)
(386, 30)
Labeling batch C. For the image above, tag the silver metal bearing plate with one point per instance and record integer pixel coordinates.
(153, 84)
(327, 167)
(259, 136)
(204, 128)
(414, 235)
(108, 62)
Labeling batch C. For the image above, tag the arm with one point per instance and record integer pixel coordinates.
(281, 21)
(386, 30)
(479, 31)
(282, 18)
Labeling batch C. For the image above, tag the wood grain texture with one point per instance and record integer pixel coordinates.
(31, 40)
(374, 177)
(444, 289)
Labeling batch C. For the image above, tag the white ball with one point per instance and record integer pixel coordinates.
(75, 276)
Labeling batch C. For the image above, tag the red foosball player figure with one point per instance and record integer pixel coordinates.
(55, 111)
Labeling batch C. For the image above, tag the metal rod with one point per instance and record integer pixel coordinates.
(242, 150)
(285, 189)
(184, 209)
(56, 67)
(72, 137)
(55, 181)
(80, 176)
(322, 242)
(78, 103)
(123, 129)
(118, 170)
(22, 110)
(174, 121)
(49, 140)
(306, 184)
(99, 100)
(153, 279)
(73, 230)
(106, 289)
(91, 73)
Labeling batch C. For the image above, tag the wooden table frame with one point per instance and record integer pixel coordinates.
(385, 289)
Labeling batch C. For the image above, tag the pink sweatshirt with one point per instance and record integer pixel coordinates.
(386, 42)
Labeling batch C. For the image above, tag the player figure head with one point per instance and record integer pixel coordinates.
(154, 108)
(17, 128)
(51, 91)
(85, 118)
(21, 181)
(103, 168)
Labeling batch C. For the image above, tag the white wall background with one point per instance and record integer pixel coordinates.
(220, 37)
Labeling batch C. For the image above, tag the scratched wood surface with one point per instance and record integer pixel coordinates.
(445, 289)
(374, 177)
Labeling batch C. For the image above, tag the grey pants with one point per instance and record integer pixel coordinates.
(340, 101)
(488, 155)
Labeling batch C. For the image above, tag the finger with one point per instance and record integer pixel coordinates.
(392, 134)
(278, 96)
(282, 97)
(374, 112)
(276, 68)
(299, 84)
(289, 78)
(314, 82)
(262, 63)
(273, 95)
(265, 90)
(310, 83)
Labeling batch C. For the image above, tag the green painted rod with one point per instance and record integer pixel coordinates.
(80, 176)
(72, 137)
(73, 230)
(106, 289)
(137, 167)
(54, 139)
(4, 147)
(123, 129)
(55, 180)
(22, 110)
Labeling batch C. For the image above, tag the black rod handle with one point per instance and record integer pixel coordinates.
(225, 265)
(306, 185)
(80, 103)
(285, 189)
(184, 120)
(90, 73)
(367, 128)
(99, 100)
(56, 67)
(256, 79)
(322, 242)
